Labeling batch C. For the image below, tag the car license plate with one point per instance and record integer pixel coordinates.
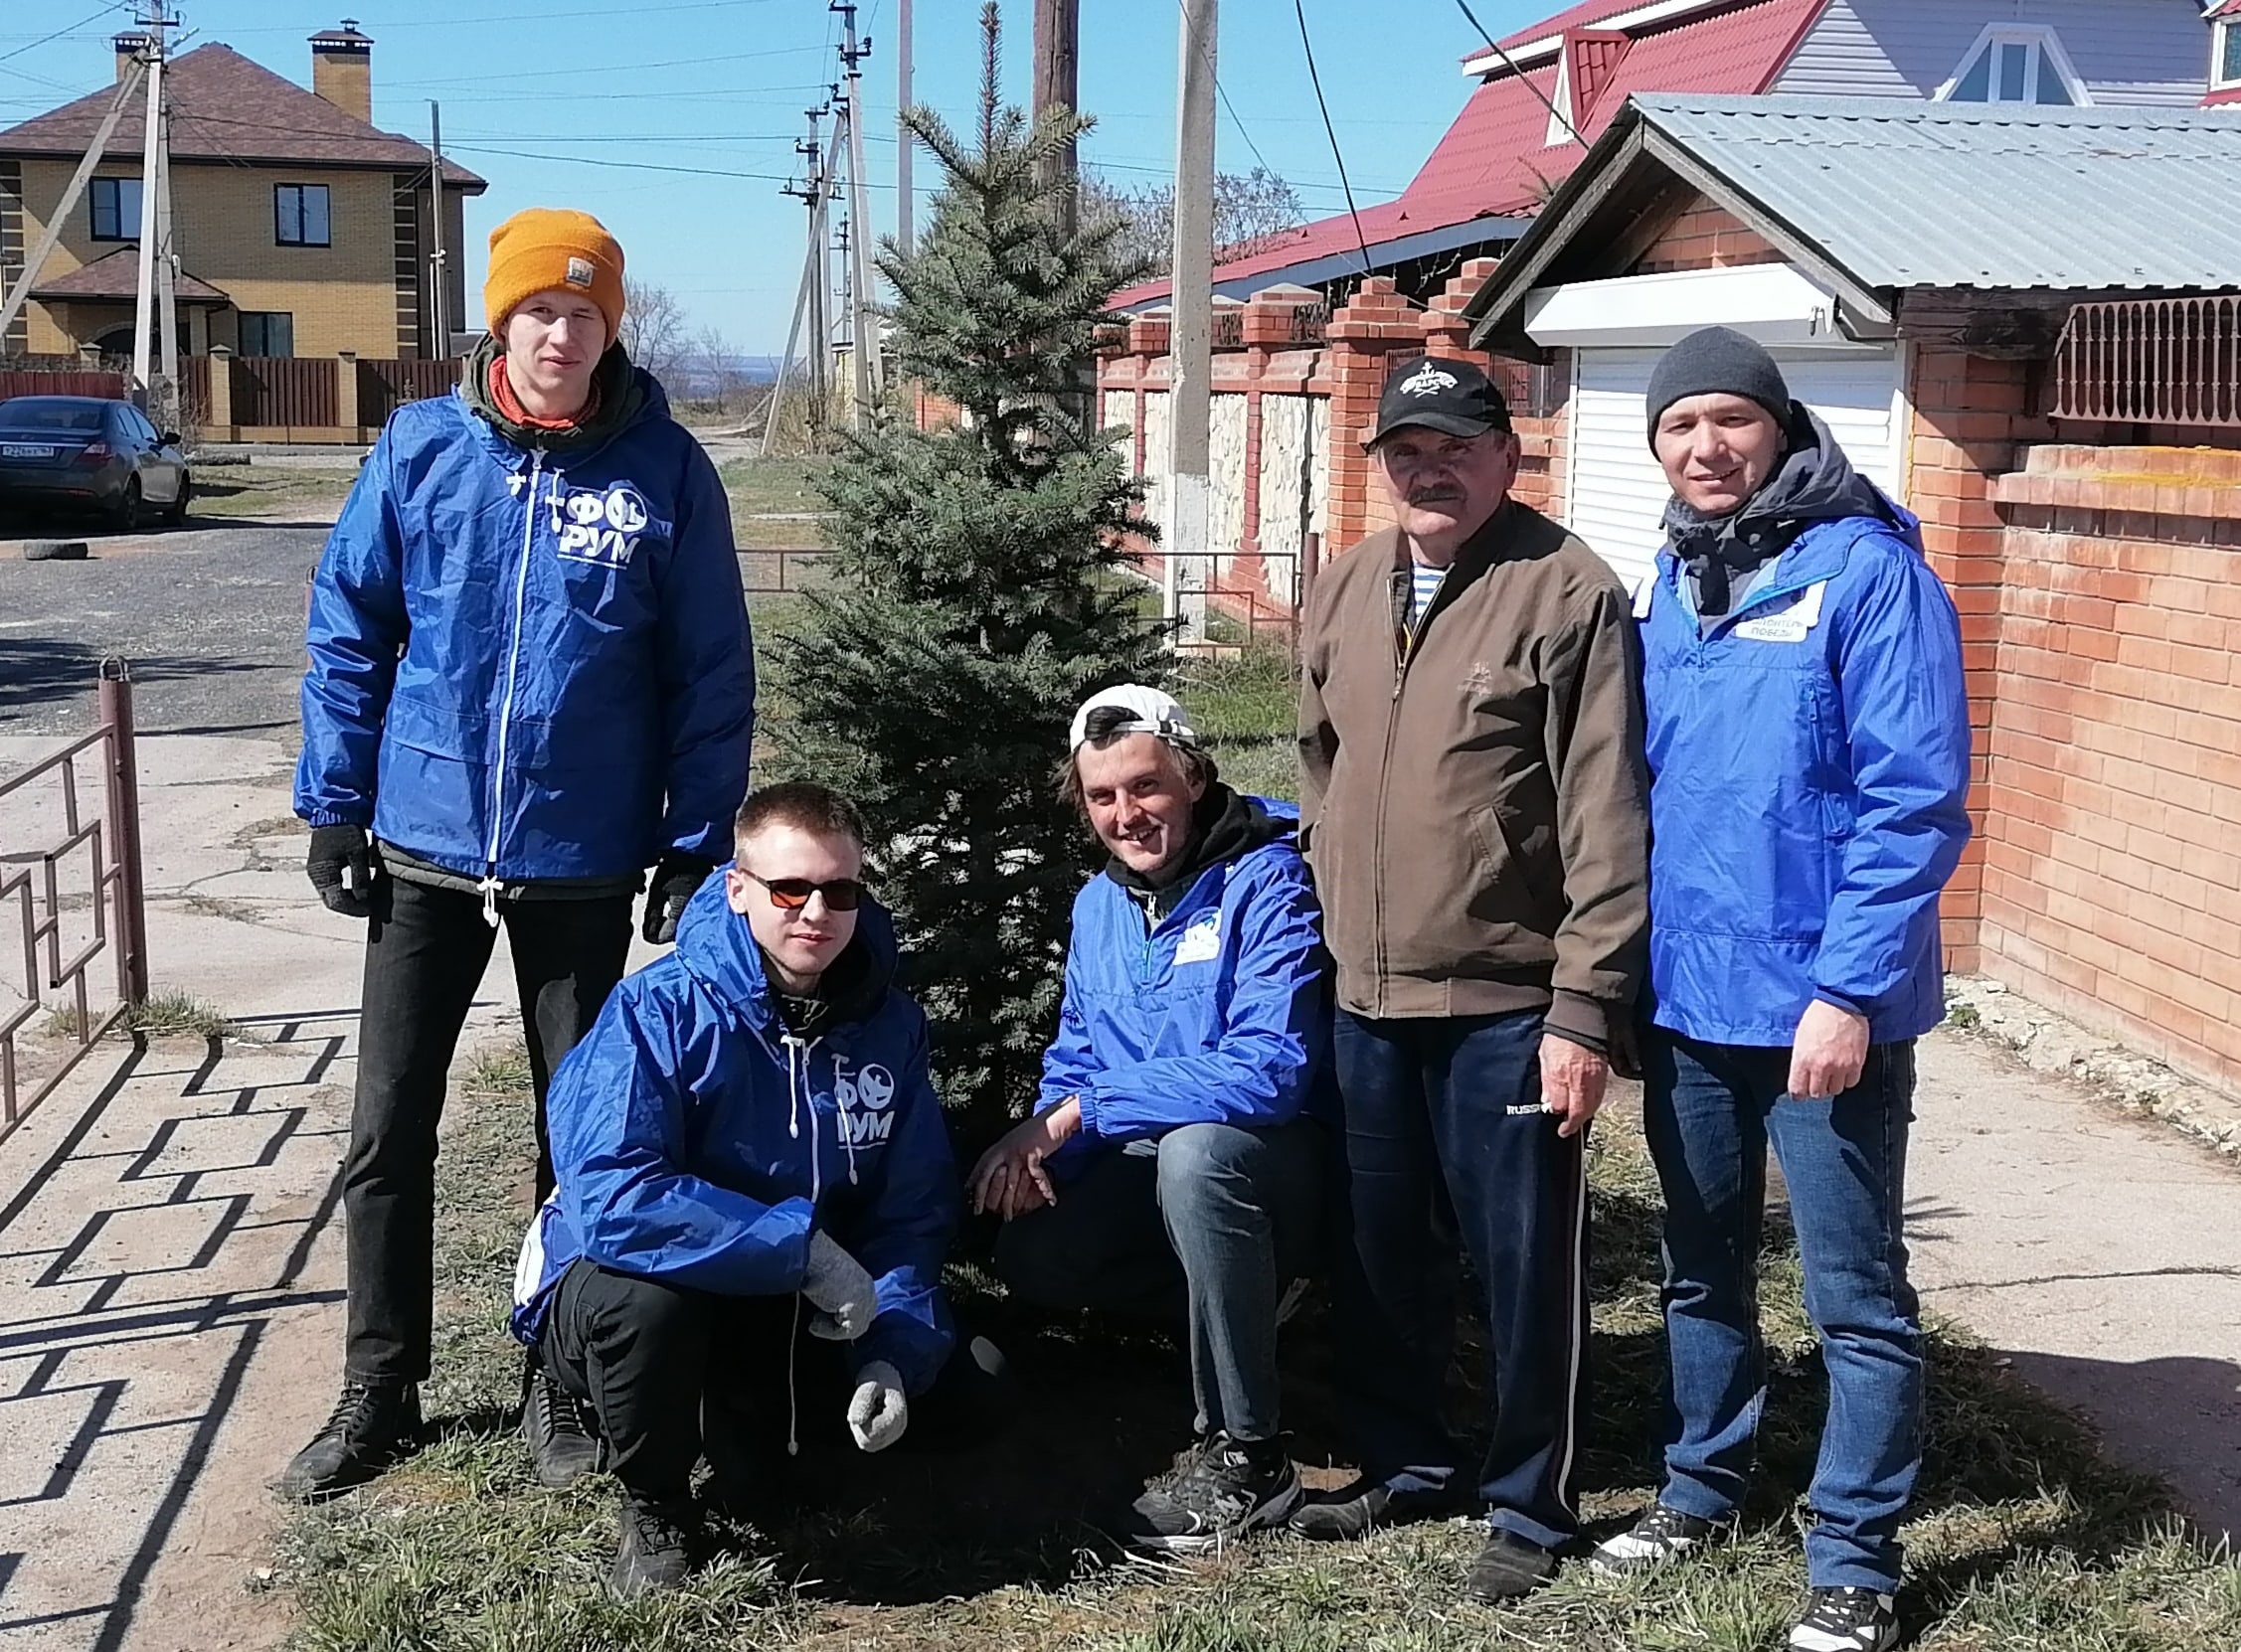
(23, 451)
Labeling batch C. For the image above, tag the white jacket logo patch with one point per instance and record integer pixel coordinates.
(600, 526)
(1202, 941)
(866, 1101)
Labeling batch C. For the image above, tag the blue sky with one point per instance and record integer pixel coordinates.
(674, 120)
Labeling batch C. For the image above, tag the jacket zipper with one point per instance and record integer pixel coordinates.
(506, 706)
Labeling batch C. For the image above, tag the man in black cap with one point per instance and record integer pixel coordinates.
(1472, 788)
(1809, 739)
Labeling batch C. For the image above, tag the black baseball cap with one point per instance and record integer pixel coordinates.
(1456, 399)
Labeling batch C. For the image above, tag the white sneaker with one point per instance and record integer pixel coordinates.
(1847, 1620)
(1661, 1536)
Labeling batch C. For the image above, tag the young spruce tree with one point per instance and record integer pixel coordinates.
(975, 599)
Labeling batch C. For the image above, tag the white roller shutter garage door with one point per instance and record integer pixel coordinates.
(1615, 492)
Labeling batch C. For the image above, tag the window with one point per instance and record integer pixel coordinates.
(300, 213)
(2225, 66)
(268, 333)
(2015, 66)
(116, 208)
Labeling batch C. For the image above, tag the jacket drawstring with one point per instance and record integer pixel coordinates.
(796, 1080)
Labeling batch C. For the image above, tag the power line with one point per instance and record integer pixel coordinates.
(1555, 113)
(1308, 47)
(59, 33)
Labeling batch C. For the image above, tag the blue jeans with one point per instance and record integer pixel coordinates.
(1446, 1146)
(1710, 1111)
(1205, 1223)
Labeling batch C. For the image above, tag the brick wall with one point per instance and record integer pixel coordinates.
(2112, 884)
(342, 296)
(1705, 237)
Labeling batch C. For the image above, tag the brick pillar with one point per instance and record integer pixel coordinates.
(220, 425)
(1970, 413)
(1376, 324)
(346, 392)
(1267, 329)
(1446, 333)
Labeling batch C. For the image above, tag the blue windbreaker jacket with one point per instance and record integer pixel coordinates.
(525, 665)
(697, 1142)
(1218, 1014)
(1808, 778)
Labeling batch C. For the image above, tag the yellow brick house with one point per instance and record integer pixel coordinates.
(301, 228)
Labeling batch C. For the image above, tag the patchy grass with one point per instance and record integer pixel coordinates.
(775, 504)
(272, 490)
(1247, 706)
(2025, 1540)
(165, 1015)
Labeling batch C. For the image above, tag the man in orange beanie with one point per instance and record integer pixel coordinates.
(531, 679)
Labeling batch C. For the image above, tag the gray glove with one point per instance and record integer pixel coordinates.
(839, 1289)
(879, 1412)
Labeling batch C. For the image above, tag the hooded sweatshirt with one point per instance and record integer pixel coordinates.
(696, 1140)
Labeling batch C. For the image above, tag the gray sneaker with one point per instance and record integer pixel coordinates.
(1220, 1490)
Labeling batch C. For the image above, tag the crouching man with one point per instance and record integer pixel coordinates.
(747, 1147)
(1170, 1169)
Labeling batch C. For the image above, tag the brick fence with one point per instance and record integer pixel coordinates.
(2098, 576)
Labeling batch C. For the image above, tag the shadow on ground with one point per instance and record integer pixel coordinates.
(2024, 1536)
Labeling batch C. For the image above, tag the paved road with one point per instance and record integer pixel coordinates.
(212, 619)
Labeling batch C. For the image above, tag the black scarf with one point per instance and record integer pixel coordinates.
(1815, 482)
(843, 993)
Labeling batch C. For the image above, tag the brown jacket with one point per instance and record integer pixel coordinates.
(1475, 806)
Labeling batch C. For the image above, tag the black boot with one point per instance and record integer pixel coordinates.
(562, 1435)
(373, 1426)
(655, 1551)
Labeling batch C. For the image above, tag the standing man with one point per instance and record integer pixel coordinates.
(1171, 1170)
(530, 680)
(1470, 742)
(1809, 749)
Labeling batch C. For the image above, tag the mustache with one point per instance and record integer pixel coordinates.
(1435, 495)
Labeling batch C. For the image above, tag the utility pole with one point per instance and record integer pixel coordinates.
(865, 354)
(152, 186)
(809, 301)
(903, 142)
(1191, 330)
(167, 399)
(13, 304)
(1057, 56)
(439, 320)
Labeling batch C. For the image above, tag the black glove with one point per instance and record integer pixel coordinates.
(342, 869)
(675, 879)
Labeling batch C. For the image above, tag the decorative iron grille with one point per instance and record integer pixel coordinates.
(2152, 361)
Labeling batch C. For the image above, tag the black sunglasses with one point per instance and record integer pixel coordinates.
(791, 895)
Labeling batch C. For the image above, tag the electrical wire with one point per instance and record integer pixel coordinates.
(59, 33)
(1299, 11)
(1548, 103)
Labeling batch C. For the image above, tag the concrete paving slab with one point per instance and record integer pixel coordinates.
(2102, 1253)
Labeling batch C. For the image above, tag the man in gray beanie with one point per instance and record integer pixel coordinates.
(1809, 754)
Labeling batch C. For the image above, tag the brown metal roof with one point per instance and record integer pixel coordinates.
(225, 108)
(117, 275)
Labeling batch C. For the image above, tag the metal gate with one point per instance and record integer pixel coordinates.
(105, 838)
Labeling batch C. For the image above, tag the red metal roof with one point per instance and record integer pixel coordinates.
(1495, 161)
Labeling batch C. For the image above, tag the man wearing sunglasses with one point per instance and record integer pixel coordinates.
(747, 1145)
(1169, 1171)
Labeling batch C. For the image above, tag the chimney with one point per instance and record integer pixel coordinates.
(128, 47)
(342, 69)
